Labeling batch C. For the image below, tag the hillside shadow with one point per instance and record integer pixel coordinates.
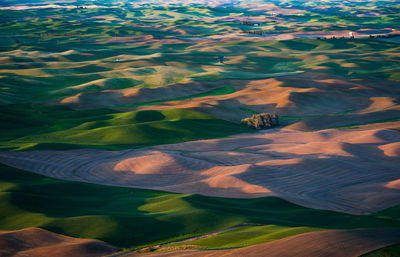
(327, 181)
(111, 214)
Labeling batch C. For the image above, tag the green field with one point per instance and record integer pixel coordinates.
(218, 91)
(129, 218)
(86, 42)
(245, 236)
(390, 251)
(26, 127)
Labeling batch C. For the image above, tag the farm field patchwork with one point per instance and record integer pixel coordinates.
(106, 213)
(121, 133)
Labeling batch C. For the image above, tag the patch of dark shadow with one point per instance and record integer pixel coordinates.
(274, 210)
(23, 65)
(98, 86)
(299, 45)
(144, 71)
(22, 59)
(349, 121)
(92, 206)
(90, 69)
(146, 116)
(121, 83)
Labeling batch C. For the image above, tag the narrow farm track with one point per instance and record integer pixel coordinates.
(341, 243)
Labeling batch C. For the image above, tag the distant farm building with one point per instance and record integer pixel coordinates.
(249, 23)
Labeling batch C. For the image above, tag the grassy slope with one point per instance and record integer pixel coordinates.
(244, 236)
(41, 127)
(391, 213)
(390, 251)
(132, 217)
(224, 90)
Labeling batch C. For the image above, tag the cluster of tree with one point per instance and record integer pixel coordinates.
(334, 37)
(255, 32)
(370, 36)
(249, 23)
(384, 36)
(262, 120)
(59, 34)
